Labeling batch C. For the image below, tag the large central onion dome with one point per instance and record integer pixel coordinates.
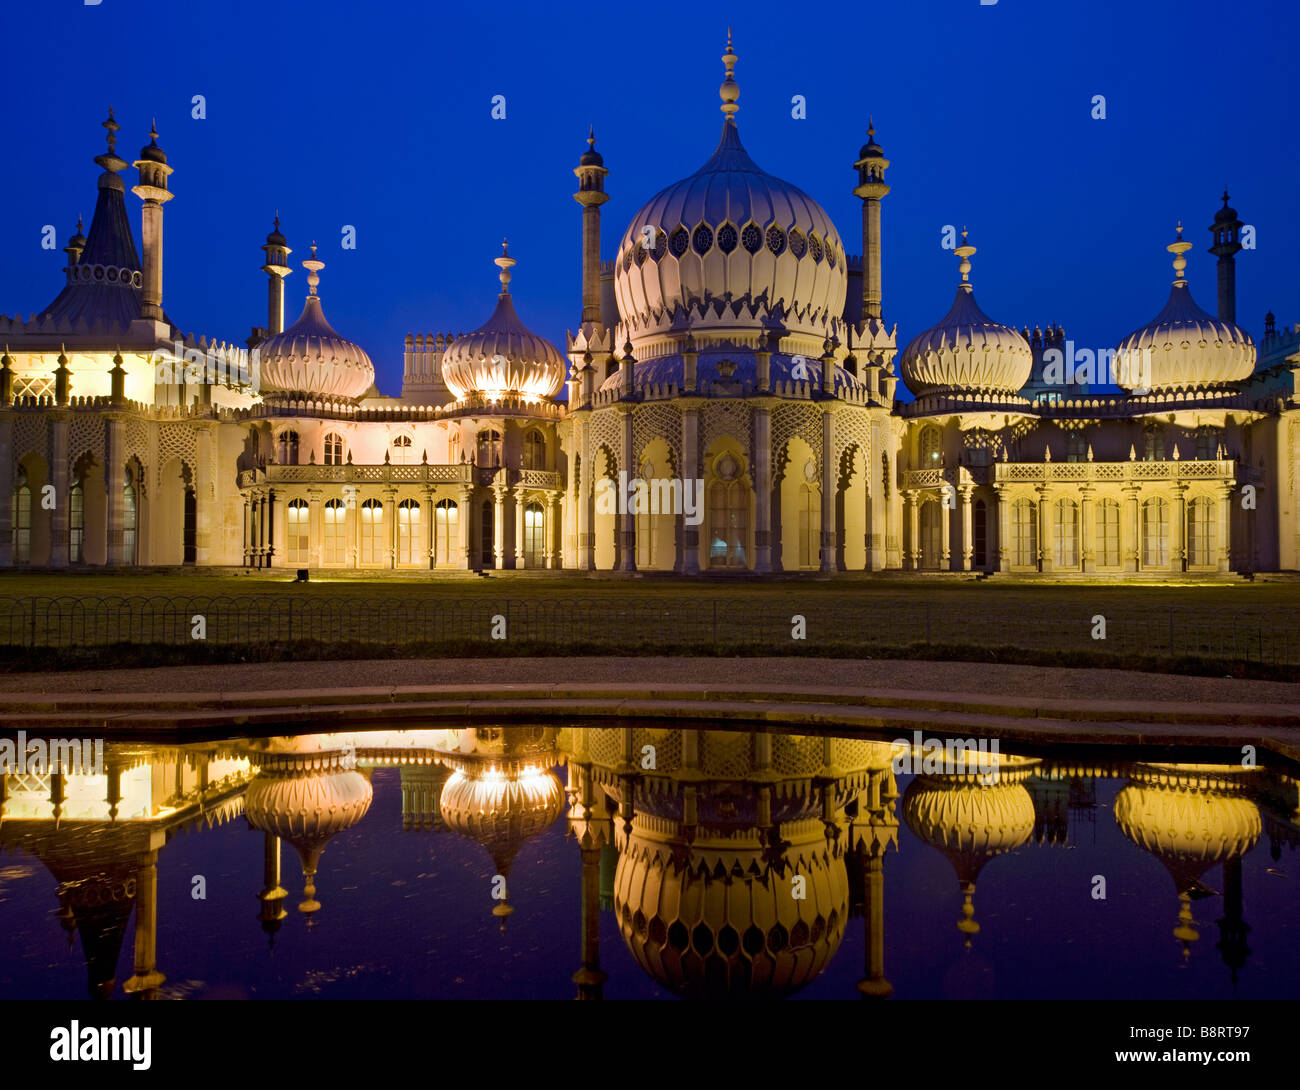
(730, 234)
(1183, 347)
(312, 360)
(967, 352)
(503, 356)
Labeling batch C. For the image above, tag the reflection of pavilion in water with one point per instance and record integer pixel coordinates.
(733, 862)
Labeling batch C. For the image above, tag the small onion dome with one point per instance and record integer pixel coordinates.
(1188, 347)
(714, 918)
(871, 150)
(503, 356)
(275, 238)
(151, 150)
(591, 157)
(78, 240)
(307, 800)
(311, 358)
(1227, 214)
(967, 351)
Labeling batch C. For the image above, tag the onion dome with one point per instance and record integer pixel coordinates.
(871, 150)
(310, 358)
(503, 356)
(971, 822)
(276, 238)
(591, 157)
(307, 799)
(151, 150)
(731, 245)
(967, 351)
(77, 241)
(1183, 347)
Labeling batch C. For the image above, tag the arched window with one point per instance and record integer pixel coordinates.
(1207, 444)
(446, 532)
(76, 522)
(1065, 534)
(489, 448)
(22, 520)
(928, 447)
(1106, 515)
(645, 527)
(288, 448)
(335, 533)
(1076, 447)
(401, 455)
(1153, 447)
(1200, 533)
(453, 448)
(534, 450)
(408, 532)
(372, 533)
(296, 518)
(810, 527)
(535, 536)
(1024, 534)
(728, 524)
(931, 522)
(129, 516)
(1155, 533)
(333, 449)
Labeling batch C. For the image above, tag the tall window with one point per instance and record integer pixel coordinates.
(453, 448)
(1065, 529)
(22, 520)
(980, 532)
(534, 450)
(1200, 532)
(728, 524)
(333, 449)
(335, 532)
(372, 533)
(1107, 517)
(1155, 534)
(1153, 448)
(408, 532)
(446, 532)
(1207, 444)
(76, 523)
(1024, 534)
(288, 452)
(645, 526)
(535, 536)
(931, 534)
(489, 448)
(929, 447)
(297, 515)
(1076, 447)
(401, 455)
(810, 527)
(129, 517)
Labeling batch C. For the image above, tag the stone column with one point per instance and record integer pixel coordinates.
(315, 528)
(553, 542)
(762, 490)
(946, 515)
(967, 528)
(517, 494)
(204, 493)
(1223, 539)
(691, 472)
(271, 516)
(586, 497)
(464, 497)
(427, 511)
(1133, 524)
(248, 531)
(62, 505)
(499, 525)
(1178, 528)
(146, 978)
(626, 518)
(1004, 528)
(1045, 563)
(1086, 535)
(8, 471)
(828, 490)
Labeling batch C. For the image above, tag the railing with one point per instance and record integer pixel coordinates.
(1010, 472)
(462, 473)
(624, 622)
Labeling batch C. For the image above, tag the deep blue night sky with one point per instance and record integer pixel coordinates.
(378, 116)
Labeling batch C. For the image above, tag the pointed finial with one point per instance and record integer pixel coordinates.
(871, 125)
(112, 126)
(1178, 248)
(153, 129)
(313, 265)
(591, 137)
(730, 90)
(964, 251)
(277, 219)
(505, 262)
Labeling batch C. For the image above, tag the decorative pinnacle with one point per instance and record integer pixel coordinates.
(153, 131)
(964, 251)
(1178, 248)
(314, 266)
(505, 262)
(112, 126)
(871, 126)
(591, 138)
(730, 90)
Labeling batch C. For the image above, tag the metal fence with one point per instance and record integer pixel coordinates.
(621, 623)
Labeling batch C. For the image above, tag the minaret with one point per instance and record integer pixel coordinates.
(1226, 229)
(871, 188)
(73, 249)
(591, 195)
(276, 269)
(152, 189)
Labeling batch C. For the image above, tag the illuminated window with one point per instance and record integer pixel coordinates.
(453, 448)
(728, 524)
(22, 520)
(128, 517)
(333, 449)
(297, 517)
(1155, 534)
(1024, 534)
(534, 536)
(408, 532)
(1107, 519)
(1065, 534)
(1200, 532)
(372, 533)
(335, 532)
(929, 447)
(446, 532)
(401, 455)
(931, 522)
(76, 523)
(810, 527)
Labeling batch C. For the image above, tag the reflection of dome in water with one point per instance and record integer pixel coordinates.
(307, 800)
(970, 822)
(714, 919)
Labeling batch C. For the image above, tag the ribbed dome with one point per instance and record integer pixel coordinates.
(310, 358)
(1189, 348)
(503, 356)
(500, 811)
(307, 802)
(967, 351)
(968, 821)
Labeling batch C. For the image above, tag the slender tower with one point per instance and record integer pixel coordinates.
(276, 269)
(871, 188)
(152, 189)
(591, 195)
(1226, 229)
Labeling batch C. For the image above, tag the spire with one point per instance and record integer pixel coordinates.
(964, 251)
(313, 266)
(1178, 247)
(110, 160)
(504, 263)
(730, 90)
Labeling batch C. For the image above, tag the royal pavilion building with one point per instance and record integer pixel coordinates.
(728, 401)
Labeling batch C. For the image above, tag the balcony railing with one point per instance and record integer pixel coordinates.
(422, 474)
